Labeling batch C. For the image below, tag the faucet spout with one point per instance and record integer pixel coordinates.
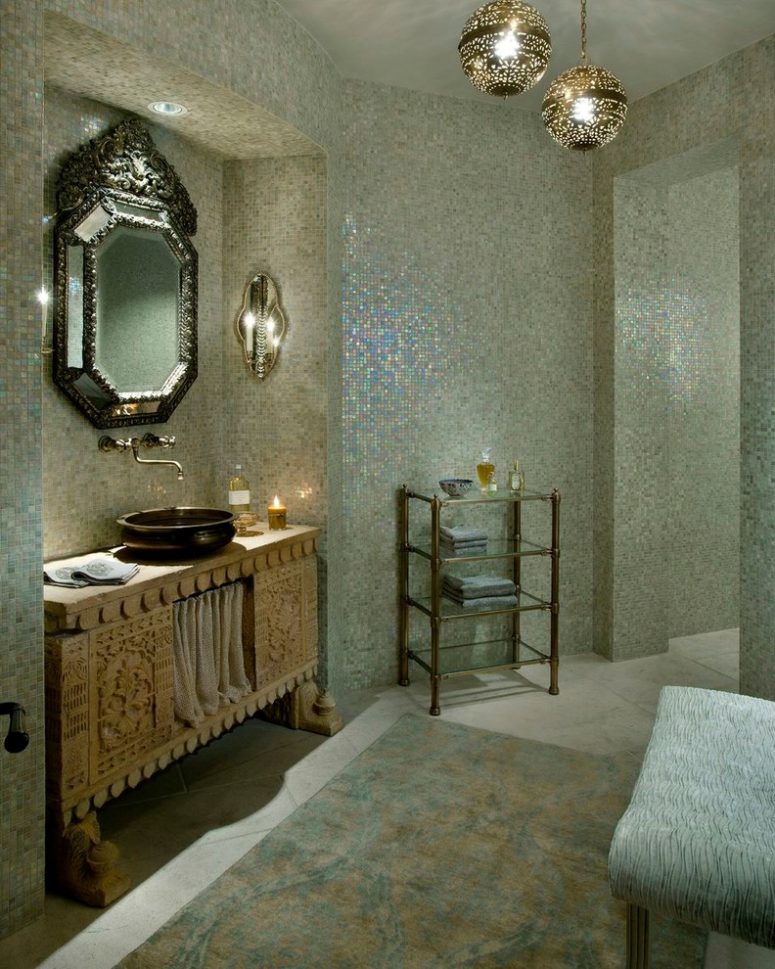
(151, 440)
(107, 443)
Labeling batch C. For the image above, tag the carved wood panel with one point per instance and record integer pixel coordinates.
(285, 602)
(67, 714)
(309, 605)
(130, 690)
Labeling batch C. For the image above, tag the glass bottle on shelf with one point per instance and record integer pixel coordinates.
(239, 492)
(485, 469)
(516, 478)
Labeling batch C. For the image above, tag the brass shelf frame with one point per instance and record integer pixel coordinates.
(515, 548)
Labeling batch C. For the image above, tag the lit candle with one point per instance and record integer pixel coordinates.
(277, 514)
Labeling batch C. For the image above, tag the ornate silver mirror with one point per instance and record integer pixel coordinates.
(125, 348)
(261, 324)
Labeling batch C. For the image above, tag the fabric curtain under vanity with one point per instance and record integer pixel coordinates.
(208, 667)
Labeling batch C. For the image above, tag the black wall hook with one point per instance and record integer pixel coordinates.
(17, 737)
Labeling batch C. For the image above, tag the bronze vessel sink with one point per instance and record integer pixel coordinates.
(177, 531)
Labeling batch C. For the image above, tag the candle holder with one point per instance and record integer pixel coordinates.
(246, 524)
(277, 514)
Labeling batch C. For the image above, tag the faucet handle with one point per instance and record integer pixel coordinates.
(108, 443)
(154, 440)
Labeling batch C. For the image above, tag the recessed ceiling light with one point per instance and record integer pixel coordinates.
(168, 108)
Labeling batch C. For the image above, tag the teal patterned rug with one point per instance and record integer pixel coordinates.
(439, 846)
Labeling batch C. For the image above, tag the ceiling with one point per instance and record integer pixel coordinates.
(646, 43)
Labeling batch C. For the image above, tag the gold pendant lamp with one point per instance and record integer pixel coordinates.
(584, 107)
(505, 47)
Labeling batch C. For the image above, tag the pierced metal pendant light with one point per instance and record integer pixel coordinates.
(505, 47)
(584, 107)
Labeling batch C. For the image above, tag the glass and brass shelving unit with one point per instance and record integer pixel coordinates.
(439, 659)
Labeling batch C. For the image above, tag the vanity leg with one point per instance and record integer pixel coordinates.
(308, 707)
(315, 710)
(85, 866)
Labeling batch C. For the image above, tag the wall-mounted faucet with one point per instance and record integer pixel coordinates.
(133, 444)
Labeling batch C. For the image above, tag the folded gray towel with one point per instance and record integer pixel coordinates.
(458, 551)
(491, 602)
(475, 586)
(459, 533)
(479, 543)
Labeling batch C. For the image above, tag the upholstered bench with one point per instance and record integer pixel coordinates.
(697, 842)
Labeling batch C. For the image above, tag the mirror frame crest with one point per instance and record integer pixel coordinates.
(121, 179)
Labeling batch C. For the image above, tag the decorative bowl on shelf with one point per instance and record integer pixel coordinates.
(456, 487)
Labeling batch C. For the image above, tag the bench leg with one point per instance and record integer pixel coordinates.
(637, 937)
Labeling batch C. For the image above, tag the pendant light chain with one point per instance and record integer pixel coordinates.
(583, 31)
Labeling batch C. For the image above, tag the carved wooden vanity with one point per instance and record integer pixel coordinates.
(109, 684)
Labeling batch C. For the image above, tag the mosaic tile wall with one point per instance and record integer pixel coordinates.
(83, 497)
(337, 528)
(640, 569)
(676, 559)
(729, 100)
(21, 659)
(466, 323)
(704, 419)
(275, 221)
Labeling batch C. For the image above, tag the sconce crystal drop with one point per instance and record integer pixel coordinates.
(260, 325)
(505, 47)
(584, 107)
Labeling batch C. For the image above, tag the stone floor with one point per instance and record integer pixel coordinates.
(182, 829)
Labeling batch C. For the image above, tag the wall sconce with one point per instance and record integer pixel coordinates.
(260, 324)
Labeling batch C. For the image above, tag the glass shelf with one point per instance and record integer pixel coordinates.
(475, 496)
(497, 549)
(451, 610)
(495, 654)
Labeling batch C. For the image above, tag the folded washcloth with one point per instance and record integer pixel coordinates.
(489, 602)
(459, 533)
(479, 543)
(476, 586)
(99, 571)
(455, 551)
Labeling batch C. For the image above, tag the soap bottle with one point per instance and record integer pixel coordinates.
(516, 478)
(485, 469)
(239, 492)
